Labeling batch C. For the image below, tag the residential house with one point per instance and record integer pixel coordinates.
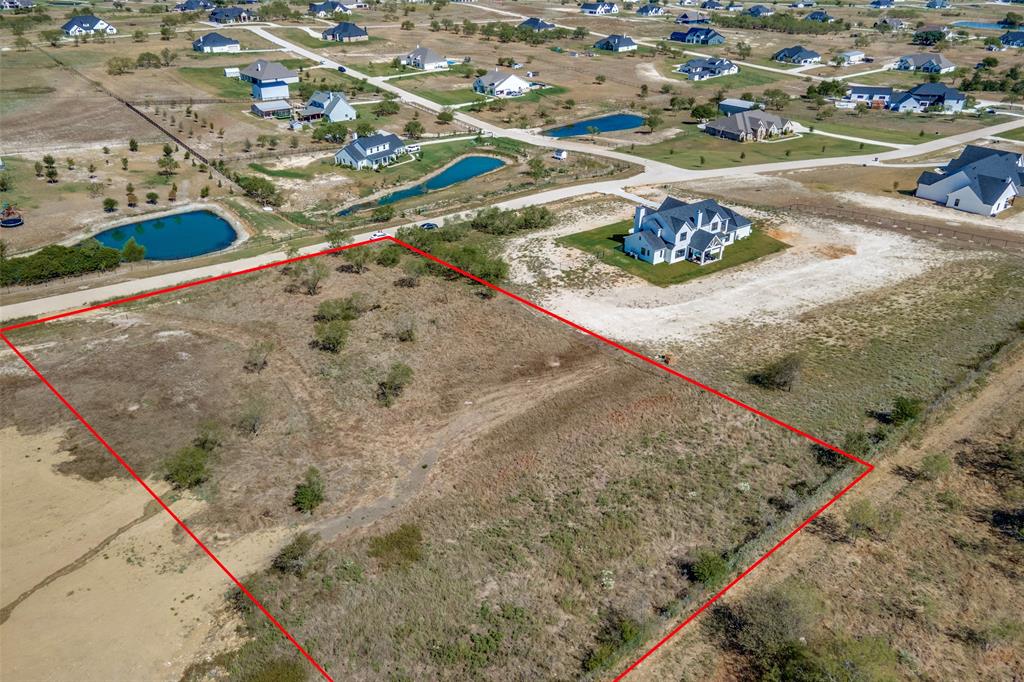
(937, 4)
(373, 151)
(345, 32)
(215, 42)
(693, 19)
(711, 4)
(425, 59)
(537, 25)
(703, 68)
(929, 34)
(851, 57)
(893, 23)
(698, 36)
(599, 8)
(651, 9)
(797, 54)
(269, 80)
(928, 96)
(882, 4)
(687, 3)
(802, 4)
(328, 8)
(982, 180)
(331, 106)
(194, 6)
(731, 105)
(87, 24)
(277, 108)
(616, 43)
(233, 15)
(925, 62)
(498, 84)
(17, 4)
(734, 7)
(676, 231)
(820, 16)
(875, 96)
(1012, 39)
(749, 126)
(759, 11)
(560, 155)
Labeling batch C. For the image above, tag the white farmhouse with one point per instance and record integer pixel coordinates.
(698, 232)
(981, 180)
(498, 84)
(425, 59)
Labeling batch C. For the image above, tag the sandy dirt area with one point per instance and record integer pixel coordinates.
(827, 262)
(918, 209)
(115, 588)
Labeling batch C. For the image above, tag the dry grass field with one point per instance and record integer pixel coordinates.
(602, 478)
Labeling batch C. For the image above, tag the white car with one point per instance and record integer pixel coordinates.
(378, 234)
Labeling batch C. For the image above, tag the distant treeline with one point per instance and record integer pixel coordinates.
(783, 23)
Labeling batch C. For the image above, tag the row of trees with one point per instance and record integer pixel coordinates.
(117, 66)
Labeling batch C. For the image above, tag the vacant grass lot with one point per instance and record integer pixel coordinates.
(606, 243)
(693, 148)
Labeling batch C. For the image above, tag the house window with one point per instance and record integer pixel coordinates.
(956, 202)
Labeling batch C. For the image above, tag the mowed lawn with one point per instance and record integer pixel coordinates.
(213, 80)
(606, 243)
(693, 148)
(746, 78)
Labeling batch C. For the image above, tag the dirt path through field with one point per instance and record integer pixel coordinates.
(999, 401)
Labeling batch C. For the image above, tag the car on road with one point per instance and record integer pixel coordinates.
(342, 69)
(429, 226)
(378, 234)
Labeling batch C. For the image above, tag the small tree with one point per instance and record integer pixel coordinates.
(152, 197)
(905, 410)
(710, 568)
(310, 493)
(258, 356)
(391, 387)
(600, 79)
(188, 467)
(537, 169)
(110, 205)
(781, 374)
(132, 251)
(331, 336)
(295, 556)
(935, 466)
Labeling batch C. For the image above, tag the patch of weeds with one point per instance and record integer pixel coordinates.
(398, 549)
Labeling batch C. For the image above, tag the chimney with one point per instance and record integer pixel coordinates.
(638, 216)
(700, 218)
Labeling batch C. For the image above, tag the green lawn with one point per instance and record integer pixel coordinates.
(446, 97)
(1016, 134)
(606, 244)
(213, 80)
(690, 146)
(297, 35)
(888, 126)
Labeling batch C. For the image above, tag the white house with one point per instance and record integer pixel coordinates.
(851, 57)
(328, 8)
(925, 62)
(372, 151)
(425, 59)
(87, 24)
(269, 80)
(330, 106)
(698, 232)
(498, 84)
(599, 8)
(616, 43)
(982, 180)
(215, 43)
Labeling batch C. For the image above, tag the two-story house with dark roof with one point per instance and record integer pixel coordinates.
(982, 180)
(676, 231)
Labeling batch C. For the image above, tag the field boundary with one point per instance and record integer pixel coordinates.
(868, 467)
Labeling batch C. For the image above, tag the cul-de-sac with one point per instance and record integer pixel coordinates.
(488, 340)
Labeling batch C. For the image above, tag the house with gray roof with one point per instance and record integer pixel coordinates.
(599, 8)
(86, 24)
(269, 80)
(875, 96)
(536, 25)
(758, 11)
(750, 126)
(498, 84)
(194, 6)
(982, 180)
(373, 151)
(328, 8)
(215, 43)
(820, 16)
(797, 54)
(698, 36)
(327, 105)
(233, 15)
(929, 97)
(1012, 39)
(616, 43)
(893, 23)
(677, 231)
(345, 32)
(651, 9)
(703, 68)
(693, 19)
(425, 59)
(925, 62)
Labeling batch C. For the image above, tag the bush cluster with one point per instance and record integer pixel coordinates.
(55, 261)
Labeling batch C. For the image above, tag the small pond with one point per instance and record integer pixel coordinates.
(980, 25)
(460, 171)
(604, 124)
(182, 235)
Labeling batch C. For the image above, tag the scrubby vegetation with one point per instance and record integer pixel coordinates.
(54, 261)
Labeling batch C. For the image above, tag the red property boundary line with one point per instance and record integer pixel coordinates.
(868, 467)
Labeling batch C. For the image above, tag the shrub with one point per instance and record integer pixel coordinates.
(187, 468)
(132, 251)
(863, 518)
(399, 548)
(250, 419)
(331, 336)
(350, 308)
(55, 261)
(710, 568)
(935, 466)
(389, 256)
(280, 670)
(310, 493)
(294, 558)
(390, 388)
(260, 189)
(905, 410)
(856, 443)
(619, 634)
(779, 375)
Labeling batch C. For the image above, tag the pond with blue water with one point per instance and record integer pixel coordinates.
(981, 25)
(182, 235)
(460, 171)
(604, 124)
